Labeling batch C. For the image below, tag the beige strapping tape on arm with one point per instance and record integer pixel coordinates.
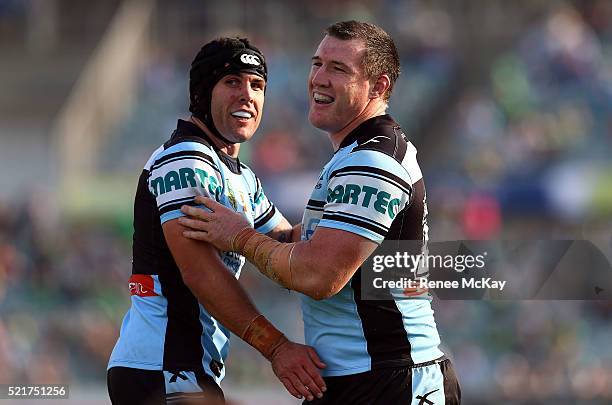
(271, 257)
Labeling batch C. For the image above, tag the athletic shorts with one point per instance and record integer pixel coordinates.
(131, 386)
(431, 383)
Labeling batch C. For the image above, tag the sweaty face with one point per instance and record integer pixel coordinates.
(237, 105)
(337, 85)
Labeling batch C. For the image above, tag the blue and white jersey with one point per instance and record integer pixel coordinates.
(372, 187)
(166, 328)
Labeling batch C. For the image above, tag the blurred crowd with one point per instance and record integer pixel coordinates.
(535, 142)
(524, 152)
(60, 295)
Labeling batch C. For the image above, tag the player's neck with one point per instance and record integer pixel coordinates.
(230, 149)
(374, 108)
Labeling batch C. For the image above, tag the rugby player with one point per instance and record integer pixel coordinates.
(185, 297)
(372, 190)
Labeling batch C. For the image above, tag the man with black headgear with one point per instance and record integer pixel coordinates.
(381, 348)
(185, 295)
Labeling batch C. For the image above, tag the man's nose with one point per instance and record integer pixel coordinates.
(246, 93)
(319, 78)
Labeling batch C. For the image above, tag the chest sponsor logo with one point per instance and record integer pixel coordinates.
(142, 285)
(365, 196)
(184, 178)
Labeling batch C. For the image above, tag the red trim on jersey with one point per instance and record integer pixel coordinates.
(142, 285)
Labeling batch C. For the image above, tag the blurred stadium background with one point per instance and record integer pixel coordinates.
(508, 102)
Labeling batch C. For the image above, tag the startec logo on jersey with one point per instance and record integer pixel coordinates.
(250, 59)
(364, 196)
(142, 285)
(184, 177)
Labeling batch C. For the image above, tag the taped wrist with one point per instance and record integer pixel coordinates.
(263, 336)
(271, 257)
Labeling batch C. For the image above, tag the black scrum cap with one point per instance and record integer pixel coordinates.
(216, 59)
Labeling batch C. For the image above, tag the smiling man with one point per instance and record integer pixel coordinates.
(185, 295)
(372, 190)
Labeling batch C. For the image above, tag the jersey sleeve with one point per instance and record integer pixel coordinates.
(179, 174)
(267, 217)
(366, 190)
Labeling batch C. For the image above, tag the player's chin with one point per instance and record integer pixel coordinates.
(244, 131)
(319, 120)
(241, 136)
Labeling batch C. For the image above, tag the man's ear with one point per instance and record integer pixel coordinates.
(380, 86)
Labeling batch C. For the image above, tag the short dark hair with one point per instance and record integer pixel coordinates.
(381, 55)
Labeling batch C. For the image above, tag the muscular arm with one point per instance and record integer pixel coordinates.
(201, 268)
(225, 299)
(321, 266)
